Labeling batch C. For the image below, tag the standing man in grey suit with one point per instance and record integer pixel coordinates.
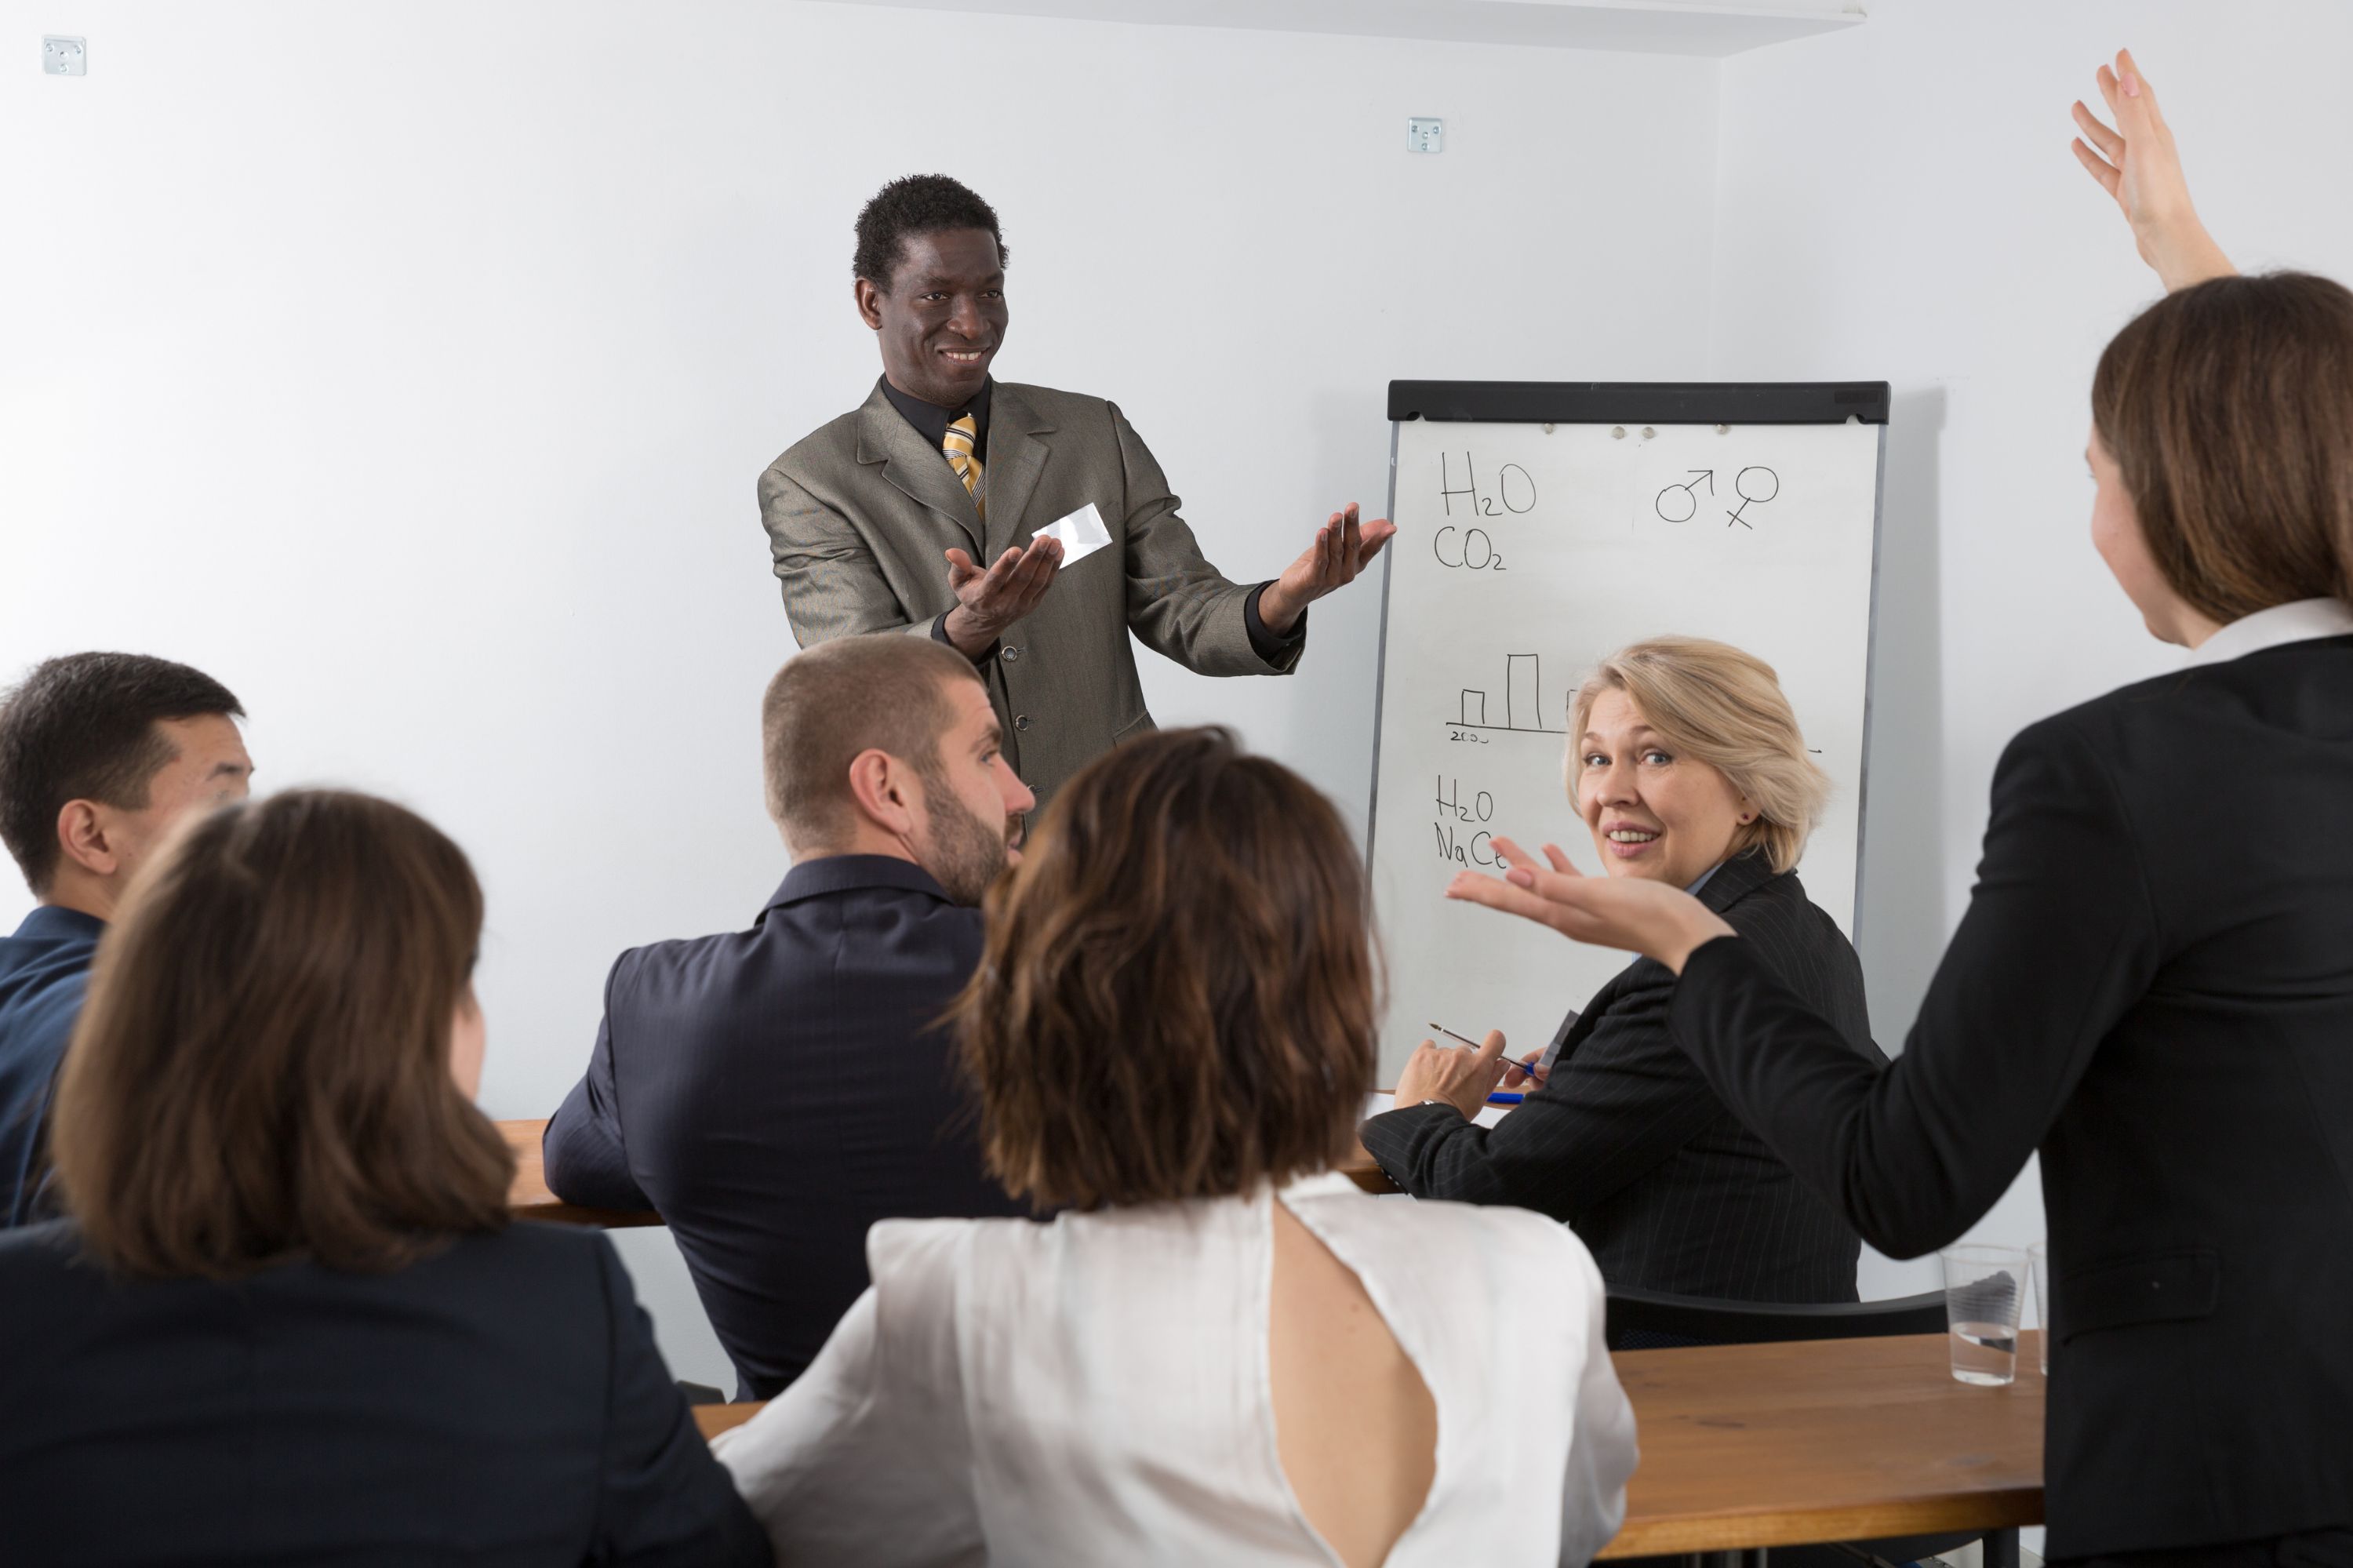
(923, 511)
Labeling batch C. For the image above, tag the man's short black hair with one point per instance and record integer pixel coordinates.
(917, 204)
(82, 728)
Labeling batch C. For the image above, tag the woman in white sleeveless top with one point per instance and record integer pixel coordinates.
(1220, 1352)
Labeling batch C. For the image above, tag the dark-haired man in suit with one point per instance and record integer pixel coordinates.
(925, 510)
(99, 754)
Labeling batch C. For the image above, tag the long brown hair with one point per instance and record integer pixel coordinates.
(2229, 410)
(261, 1071)
(1177, 995)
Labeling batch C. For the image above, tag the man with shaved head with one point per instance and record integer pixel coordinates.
(774, 1092)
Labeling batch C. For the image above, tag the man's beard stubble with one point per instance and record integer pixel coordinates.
(965, 855)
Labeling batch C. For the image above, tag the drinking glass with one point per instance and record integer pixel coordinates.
(2037, 1258)
(1984, 1288)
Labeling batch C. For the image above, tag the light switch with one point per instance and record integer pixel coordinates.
(1424, 134)
(64, 57)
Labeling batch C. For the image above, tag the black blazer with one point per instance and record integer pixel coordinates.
(774, 1092)
(2154, 984)
(1628, 1144)
(500, 1402)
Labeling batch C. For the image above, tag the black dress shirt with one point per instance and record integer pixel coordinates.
(2153, 984)
(774, 1092)
(1626, 1142)
(932, 421)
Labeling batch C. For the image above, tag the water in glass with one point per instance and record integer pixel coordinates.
(1985, 1353)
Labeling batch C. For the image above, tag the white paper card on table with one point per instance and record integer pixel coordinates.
(1081, 532)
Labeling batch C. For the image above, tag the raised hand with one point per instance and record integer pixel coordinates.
(1342, 549)
(1632, 914)
(990, 601)
(2136, 162)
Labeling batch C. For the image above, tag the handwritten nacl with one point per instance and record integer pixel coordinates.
(1453, 848)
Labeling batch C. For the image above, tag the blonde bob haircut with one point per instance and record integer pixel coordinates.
(1714, 703)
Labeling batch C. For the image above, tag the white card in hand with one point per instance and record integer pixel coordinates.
(1081, 532)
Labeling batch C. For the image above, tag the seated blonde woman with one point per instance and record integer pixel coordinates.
(1688, 768)
(1220, 1353)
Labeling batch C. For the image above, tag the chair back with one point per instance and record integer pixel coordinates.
(1646, 1319)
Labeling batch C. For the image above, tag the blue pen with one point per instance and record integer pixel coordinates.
(1499, 1097)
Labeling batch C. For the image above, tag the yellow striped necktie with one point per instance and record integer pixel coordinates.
(958, 444)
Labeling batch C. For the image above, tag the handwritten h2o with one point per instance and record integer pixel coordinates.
(1514, 493)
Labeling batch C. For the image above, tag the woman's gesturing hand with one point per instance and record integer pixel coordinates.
(2136, 162)
(1631, 912)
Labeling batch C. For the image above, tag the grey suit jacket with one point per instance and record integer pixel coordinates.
(861, 513)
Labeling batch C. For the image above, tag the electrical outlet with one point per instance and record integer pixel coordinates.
(1423, 134)
(64, 57)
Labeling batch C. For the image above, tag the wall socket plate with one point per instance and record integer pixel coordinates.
(64, 57)
(1424, 134)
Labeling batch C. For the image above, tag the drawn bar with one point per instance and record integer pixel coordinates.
(1641, 402)
(1520, 690)
(1482, 720)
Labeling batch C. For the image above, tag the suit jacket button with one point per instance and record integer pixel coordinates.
(1021, 721)
(1011, 654)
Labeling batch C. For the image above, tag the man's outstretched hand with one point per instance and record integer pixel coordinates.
(1342, 549)
(990, 601)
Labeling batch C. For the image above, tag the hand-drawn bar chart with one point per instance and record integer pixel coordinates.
(1522, 706)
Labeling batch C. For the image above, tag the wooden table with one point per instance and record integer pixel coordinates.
(1748, 1446)
(1825, 1440)
(530, 1200)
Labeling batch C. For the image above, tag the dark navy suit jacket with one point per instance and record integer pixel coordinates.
(500, 1401)
(774, 1092)
(44, 971)
(1627, 1143)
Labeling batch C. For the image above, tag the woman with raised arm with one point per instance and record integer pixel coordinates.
(287, 1321)
(1221, 1352)
(2153, 983)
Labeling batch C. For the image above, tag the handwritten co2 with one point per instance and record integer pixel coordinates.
(1514, 493)
(1754, 486)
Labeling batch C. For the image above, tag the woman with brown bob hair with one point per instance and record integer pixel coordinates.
(287, 1318)
(1223, 1353)
(2151, 984)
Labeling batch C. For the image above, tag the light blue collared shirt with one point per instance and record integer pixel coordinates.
(1702, 882)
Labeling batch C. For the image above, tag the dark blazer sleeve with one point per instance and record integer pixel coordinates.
(1625, 1100)
(585, 1161)
(2060, 939)
(661, 1496)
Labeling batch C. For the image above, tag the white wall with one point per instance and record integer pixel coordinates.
(1898, 202)
(409, 368)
